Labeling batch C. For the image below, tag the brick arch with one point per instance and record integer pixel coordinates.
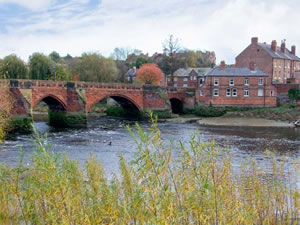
(96, 100)
(176, 105)
(61, 101)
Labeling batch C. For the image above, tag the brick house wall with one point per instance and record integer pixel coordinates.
(236, 94)
(279, 69)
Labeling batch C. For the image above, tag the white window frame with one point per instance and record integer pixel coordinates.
(231, 81)
(216, 92)
(246, 83)
(246, 92)
(185, 79)
(185, 85)
(260, 92)
(234, 92)
(272, 93)
(260, 81)
(201, 93)
(216, 81)
(228, 92)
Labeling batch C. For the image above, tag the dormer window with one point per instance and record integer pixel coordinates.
(231, 81)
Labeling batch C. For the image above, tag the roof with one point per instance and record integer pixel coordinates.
(236, 72)
(279, 54)
(185, 72)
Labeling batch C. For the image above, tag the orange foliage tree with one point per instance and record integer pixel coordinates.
(150, 74)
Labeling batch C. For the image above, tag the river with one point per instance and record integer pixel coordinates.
(78, 144)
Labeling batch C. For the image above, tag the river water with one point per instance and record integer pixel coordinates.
(107, 137)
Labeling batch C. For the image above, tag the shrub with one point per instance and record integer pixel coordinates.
(294, 94)
(209, 111)
(118, 111)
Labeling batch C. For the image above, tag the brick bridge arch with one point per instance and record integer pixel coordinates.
(56, 100)
(97, 99)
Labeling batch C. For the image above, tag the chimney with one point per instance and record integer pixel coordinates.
(274, 45)
(252, 66)
(283, 47)
(223, 65)
(254, 40)
(294, 50)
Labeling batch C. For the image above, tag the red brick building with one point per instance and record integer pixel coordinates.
(188, 77)
(236, 86)
(280, 63)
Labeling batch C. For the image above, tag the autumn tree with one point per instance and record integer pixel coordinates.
(97, 68)
(12, 67)
(150, 74)
(6, 103)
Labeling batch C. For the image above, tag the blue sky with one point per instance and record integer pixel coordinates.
(77, 26)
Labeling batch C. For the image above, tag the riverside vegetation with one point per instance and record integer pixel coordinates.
(197, 187)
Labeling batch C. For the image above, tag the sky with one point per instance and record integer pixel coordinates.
(77, 26)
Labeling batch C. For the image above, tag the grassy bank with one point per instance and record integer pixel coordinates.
(283, 113)
(198, 187)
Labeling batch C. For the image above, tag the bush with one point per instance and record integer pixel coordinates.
(118, 111)
(197, 186)
(23, 126)
(294, 94)
(209, 111)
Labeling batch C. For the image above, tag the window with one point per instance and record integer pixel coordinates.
(185, 79)
(193, 78)
(175, 78)
(228, 92)
(260, 93)
(271, 93)
(246, 92)
(260, 81)
(185, 85)
(246, 81)
(216, 81)
(234, 92)
(216, 92)
(201, 81)
(231, 81)
(201, 93)
(175, 85)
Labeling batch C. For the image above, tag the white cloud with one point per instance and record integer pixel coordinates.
(223, 26)
(30, 4)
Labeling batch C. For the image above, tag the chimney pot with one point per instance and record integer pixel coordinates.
(274, 45)
(294, 50)
(223, 65)
(283, 46)
(254, 40)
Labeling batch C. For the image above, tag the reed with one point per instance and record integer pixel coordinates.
(197, 187)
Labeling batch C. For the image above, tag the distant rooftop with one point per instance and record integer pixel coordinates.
(236, 71)
(185, 72)
(279, 54)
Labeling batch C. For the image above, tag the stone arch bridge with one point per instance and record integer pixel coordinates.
(79, 97)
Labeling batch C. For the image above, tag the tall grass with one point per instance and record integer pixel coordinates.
(197, 187)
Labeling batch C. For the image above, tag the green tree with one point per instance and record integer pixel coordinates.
(62, 73)
(12, 67)
(40, 66)
(294, 94)
(94, 67)
(55, 56)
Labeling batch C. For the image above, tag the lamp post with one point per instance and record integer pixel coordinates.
(54, 67)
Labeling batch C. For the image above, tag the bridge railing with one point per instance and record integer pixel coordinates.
(27, 84)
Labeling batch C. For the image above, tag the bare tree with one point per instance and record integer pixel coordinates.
(170, 47)
(121, 53)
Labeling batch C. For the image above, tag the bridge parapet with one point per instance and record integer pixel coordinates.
(27, 84)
